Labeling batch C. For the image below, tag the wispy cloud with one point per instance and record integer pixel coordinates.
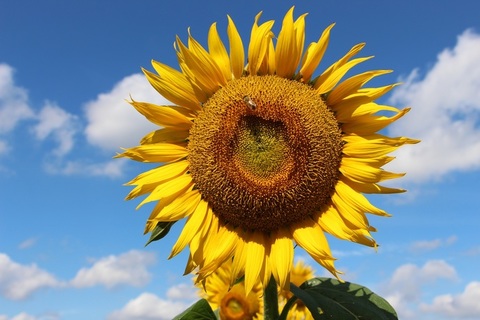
(58, 124)
(445, 114)
(18, 282)
(14, 105)
(112, 168)
(129, 268)
(430, 245)
(27, 316)
(27, 243)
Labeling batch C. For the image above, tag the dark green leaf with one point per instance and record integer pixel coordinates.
(201, 310)
(331, 299)
(160, 231)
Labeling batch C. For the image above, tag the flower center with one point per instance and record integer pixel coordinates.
(234, 307)
(260, 147)
(264, 152)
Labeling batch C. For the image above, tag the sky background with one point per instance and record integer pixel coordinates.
(70, 246)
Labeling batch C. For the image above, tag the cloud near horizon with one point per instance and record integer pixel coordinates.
(20, 281)
(148, 306)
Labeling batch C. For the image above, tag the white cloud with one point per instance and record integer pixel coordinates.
(26, 316)
(112, 122)
(404, 287)
(112, 168)
(445, 114)
(19, 281)
(13, 101)
(13, 104)
(129, 268)
(429, 245)
(59, 124)
(148, 306)
(463, 306)
(183, 291)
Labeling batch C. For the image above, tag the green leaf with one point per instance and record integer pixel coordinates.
(331, 299)
(160, 231)
(201, 310)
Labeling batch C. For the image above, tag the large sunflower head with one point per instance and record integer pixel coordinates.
(259, 153)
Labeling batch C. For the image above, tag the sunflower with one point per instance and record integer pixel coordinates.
(300, 273)
(232, 302)
(259, 156)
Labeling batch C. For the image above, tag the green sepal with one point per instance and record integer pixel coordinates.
(201, 310)
(328, 298)
(160, 231)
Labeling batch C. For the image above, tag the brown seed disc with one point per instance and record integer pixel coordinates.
(264, 152)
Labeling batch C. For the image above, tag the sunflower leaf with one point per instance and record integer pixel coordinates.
(326, 297)
(201, 310)
(160, 231)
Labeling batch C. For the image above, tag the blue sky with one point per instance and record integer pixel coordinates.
(72, 248)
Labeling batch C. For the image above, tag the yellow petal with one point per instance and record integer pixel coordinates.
(350, 112)
(331, 221)
(372, 146)
(369, 124)
(351, 85)
(168, 188)
(314, 55)
(174, 90)
(259, 43)
(181, 207)
(362, 96)
(355, 199)
(338, 64)
(191, 228)
(158, 152)
(162, 116)
(167, 135)
(363, 171)
(281, 257)
(311, 238)
(331, 81)
(239, 260)
(255, 260)
(237, 54)
(286, 53)
(153, 218)
(351, 214)
(370, 187)
(148, 180)
(218, 52)
(205, 72)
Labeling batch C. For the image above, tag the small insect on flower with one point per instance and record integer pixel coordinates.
(250, 103)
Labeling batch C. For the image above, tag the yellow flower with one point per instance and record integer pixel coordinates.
(257, 153)
(300, 273)
(232, 302)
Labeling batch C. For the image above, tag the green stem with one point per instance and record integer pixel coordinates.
(270, 299)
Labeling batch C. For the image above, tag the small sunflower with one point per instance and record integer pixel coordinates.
(300, 273)
(232, 302)
(260, 155)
